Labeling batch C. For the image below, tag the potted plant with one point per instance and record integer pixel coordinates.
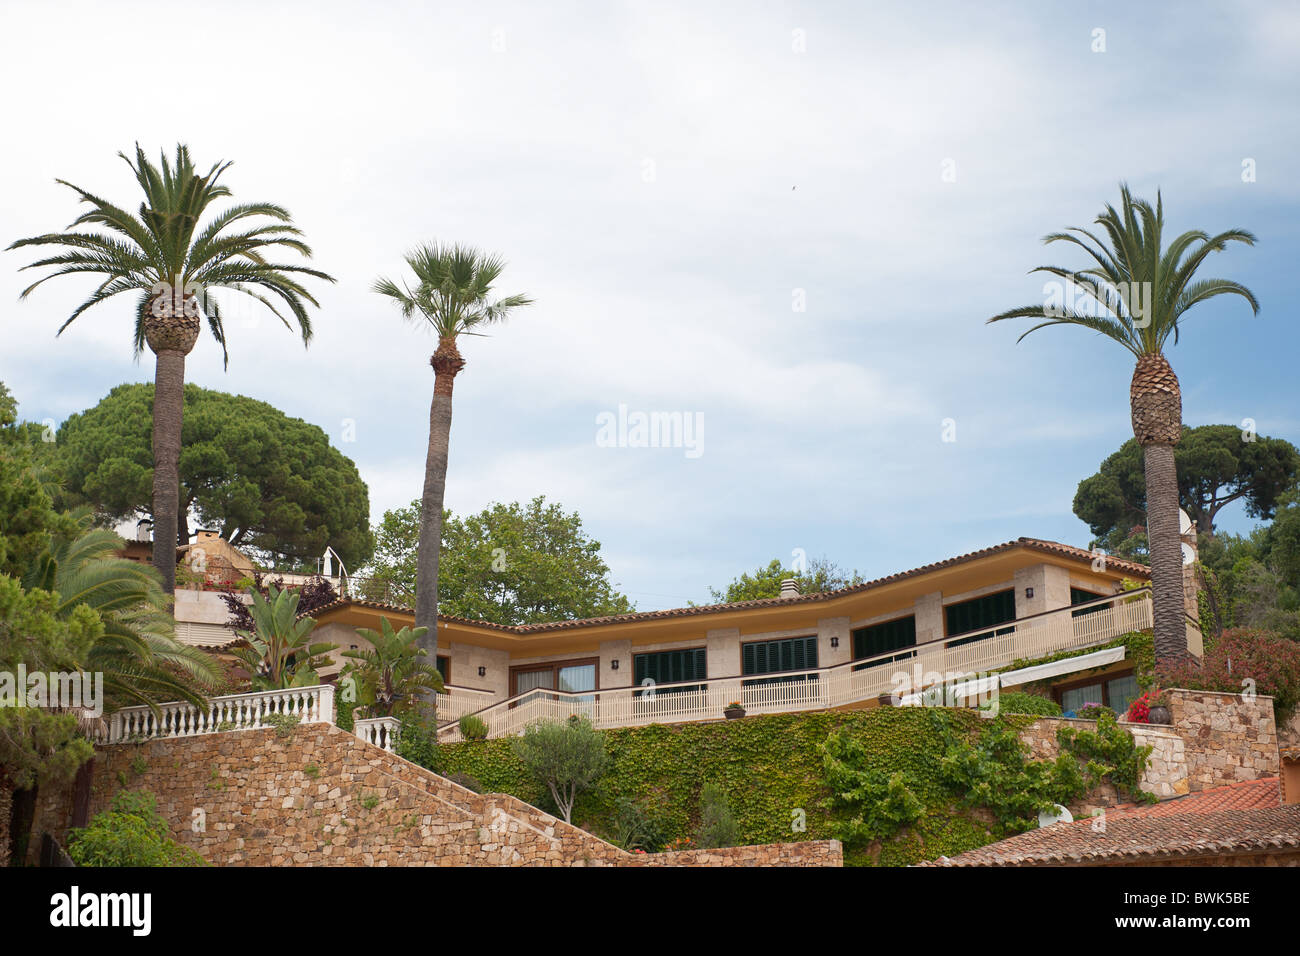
(1151, 708)
(734, 710)
(1159, 708)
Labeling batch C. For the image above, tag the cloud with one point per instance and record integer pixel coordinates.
(670, 183)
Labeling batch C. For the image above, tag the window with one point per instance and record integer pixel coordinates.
(878, 639)
(1115, 692)
(444, 668)
(1080, 596)
(773, 657)
(670, 667)
(560, 675)
(980, 613)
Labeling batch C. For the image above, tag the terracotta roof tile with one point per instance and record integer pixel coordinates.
(1239, 818)
(1244, 795)
(1033, 544)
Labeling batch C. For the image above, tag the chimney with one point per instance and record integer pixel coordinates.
(789, 588)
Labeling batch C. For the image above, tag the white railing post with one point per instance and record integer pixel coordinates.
(325, 705)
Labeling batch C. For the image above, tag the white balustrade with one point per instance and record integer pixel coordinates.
(900, 672)
(380, 731)
(311, 705)
(458, 701)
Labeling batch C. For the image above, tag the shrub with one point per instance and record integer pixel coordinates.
(565, 756)
(473, 727)
(417, 741)
(1020, 702)
(1243, 659)
(717, 823)
(467, 781)
(637, 828)
(1092, 711)
(129, 833)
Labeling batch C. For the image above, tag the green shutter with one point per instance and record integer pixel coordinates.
(670, 667)
(773, 657)
(980, 613)
(882, 638)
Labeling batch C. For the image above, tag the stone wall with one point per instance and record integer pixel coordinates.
(1166, 771)
(1229, 737)
(321, 796)
(810, 853)
(1215, 739)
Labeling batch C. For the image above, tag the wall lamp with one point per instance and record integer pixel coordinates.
(1029, 592)
(613, 665)
(835, 642)
(482, 672)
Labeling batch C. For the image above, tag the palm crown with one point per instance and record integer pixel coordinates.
(136, 650)
(452, 290)
(165, 247)
(1142, 291)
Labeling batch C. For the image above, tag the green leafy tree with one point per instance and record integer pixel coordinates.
(566, 756)
(272, 484)
(821, 574)
(1248, 580)
(509, 564)
(1215, 465)
(172, 261)
(453, 296)
(130, 832)
(280, 653)
(392, 675)
(1136, 291)
(40, 746)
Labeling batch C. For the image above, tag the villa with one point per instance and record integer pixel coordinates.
(977, 613)
(971, 617)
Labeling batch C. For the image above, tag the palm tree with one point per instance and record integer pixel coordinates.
(393, 675)
(1136, 291)
(453, 287)
(137, 652)
(172, 264)
(279, 653)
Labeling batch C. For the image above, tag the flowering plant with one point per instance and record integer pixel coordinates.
(734, 705)
(1090, 710)
(1139, 712)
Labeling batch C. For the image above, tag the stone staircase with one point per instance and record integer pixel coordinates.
(319, 795)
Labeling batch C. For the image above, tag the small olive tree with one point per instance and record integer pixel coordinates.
(568, 756)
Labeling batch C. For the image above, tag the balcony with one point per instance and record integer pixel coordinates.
(844, 685)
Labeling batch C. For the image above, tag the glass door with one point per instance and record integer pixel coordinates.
(578, 677)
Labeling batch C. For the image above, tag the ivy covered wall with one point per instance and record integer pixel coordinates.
(773, 774)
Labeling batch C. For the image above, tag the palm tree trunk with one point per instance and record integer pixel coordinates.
(1166, 553)
(1157, 406)
(168, 411)
(446, 362)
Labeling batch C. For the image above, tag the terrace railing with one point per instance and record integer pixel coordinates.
(235, 712)
(894, 673)
(458, 701)
(380, 731)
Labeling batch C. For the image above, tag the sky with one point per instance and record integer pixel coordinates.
(786, 221)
